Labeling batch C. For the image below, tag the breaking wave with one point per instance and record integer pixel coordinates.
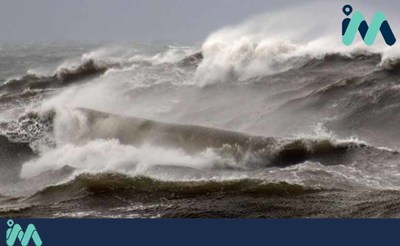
(62, 77)
(92, 141)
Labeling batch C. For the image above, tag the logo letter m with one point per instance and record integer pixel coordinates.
(16, 232)
(357, 23)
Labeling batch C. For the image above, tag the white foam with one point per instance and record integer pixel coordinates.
(266, 44)
(110, 155)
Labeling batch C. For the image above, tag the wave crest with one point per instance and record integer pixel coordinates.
(145, 188)
(62, 77)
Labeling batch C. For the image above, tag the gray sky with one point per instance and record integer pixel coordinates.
(140, 20)
(114, 20)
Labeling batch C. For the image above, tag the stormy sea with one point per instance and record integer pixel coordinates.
(250, 123)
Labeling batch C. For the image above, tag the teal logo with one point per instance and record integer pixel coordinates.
(15, 232)
(357, 23)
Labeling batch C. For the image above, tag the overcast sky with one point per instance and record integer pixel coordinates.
(177, 20)
(116, 20)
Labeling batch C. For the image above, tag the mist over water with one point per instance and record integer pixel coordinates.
(264, 112)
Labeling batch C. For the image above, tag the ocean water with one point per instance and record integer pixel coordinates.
(259, 120)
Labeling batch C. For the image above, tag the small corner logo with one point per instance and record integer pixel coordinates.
(357, 22)
(15, 232)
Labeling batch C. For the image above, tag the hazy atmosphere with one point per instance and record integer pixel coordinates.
(141, 20)
(50, 20)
